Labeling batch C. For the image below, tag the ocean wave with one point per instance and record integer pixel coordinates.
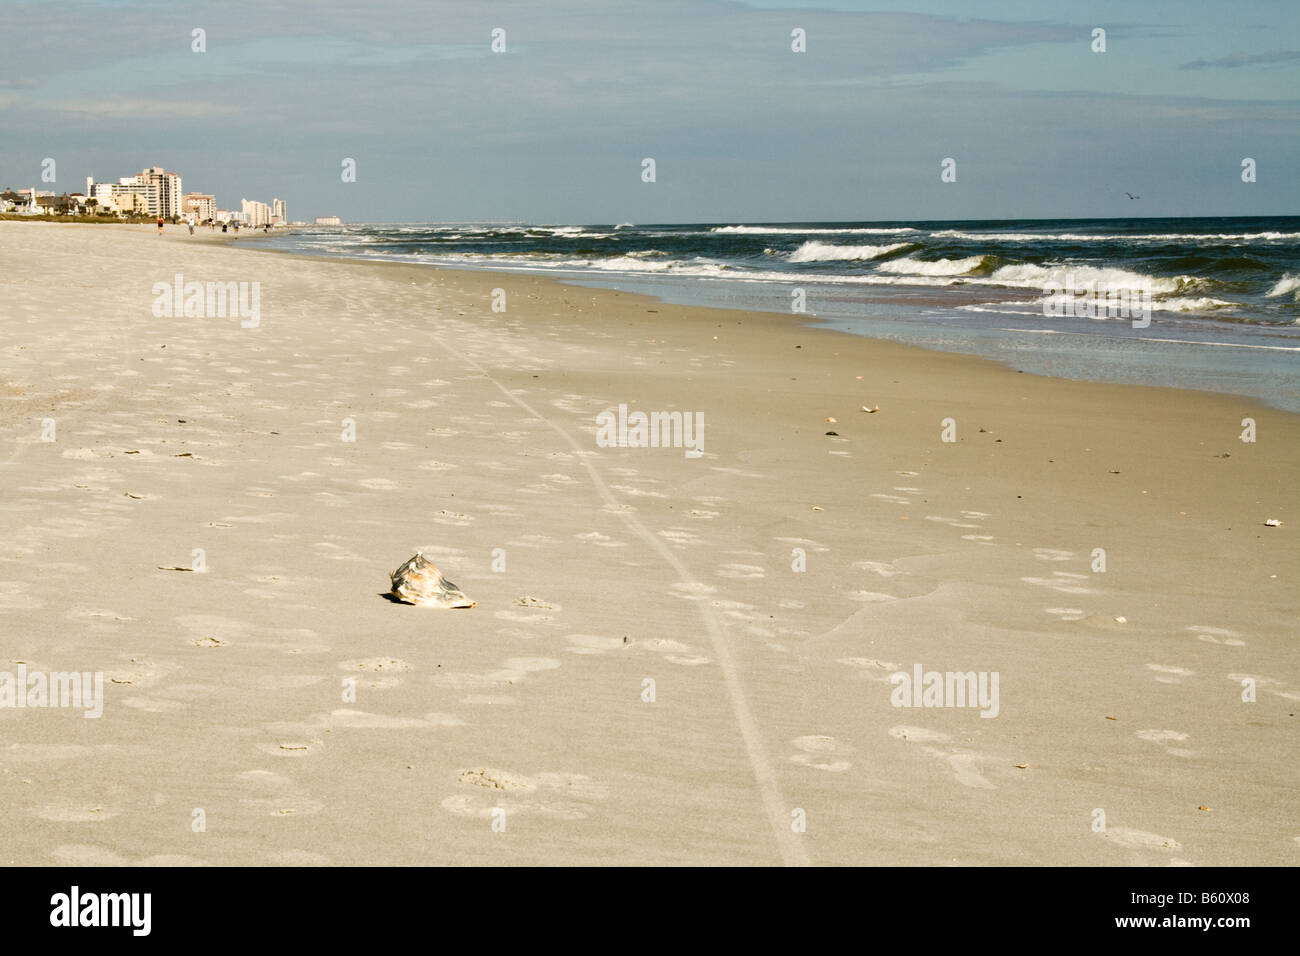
(791, 231)
(936, 267)
(814, 251)
(1187, 304)
(1115, 237)
(1288, 283)
(1030, 276)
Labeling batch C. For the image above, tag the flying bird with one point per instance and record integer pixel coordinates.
(1130, 195)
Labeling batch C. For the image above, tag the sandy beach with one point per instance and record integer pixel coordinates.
(673, 659)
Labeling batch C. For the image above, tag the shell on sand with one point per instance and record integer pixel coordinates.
(419, 581)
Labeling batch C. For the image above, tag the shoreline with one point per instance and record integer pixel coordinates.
(475, 431)
(1168, 358)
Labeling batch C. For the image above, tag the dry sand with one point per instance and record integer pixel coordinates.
(476, 431)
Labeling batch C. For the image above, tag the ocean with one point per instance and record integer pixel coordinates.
(1206, 303)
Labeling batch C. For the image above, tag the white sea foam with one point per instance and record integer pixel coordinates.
(1136, 237)
(1191, 304)
(829, 252)
(1028, 275)
(937, 267)
(787, 230)
(1288, 283)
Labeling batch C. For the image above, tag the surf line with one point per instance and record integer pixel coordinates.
(778, 812)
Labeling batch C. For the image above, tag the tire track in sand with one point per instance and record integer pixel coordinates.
(778, 811)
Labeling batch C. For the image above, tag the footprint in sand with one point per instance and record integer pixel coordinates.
(1052, 554)
(1169, 674)
(741, 571)
(528, 600)
(592, 644)
(1216, 635)
(675, 652)
(870, 597)
(1164, 738)
(1063, 581)
(692, 590)
(637, 492)
(871, 668)
(292, 748)
(376, 665)
(684, 661)
(884, 568)
(492, 779)
(951, 522)
(515, 669)
(680, 537)
(600, 540)
(277, 795)
(964, 764)
(1067, 613)
(1139, 839)
(499, 791)
(893, 499)
(818, 751)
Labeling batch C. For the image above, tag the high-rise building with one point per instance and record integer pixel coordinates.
(254, 214)
(170, 197)
(279, 215)
(128, 195)
(201, 206)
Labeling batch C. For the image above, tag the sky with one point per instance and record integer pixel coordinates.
(740, 127)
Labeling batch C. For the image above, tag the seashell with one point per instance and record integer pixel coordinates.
(419, 581)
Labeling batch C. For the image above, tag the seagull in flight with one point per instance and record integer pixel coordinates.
(1130, 195)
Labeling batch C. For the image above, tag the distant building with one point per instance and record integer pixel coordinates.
(279, 215)
(328, 221)
(169, 202)
(255, 214)
(201, 206)
(151, 192)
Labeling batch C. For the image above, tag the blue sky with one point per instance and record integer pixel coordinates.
(741, 128)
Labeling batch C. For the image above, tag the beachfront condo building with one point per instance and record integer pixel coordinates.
(170, 197)
(201, 206)
(152, 192)
(255, 214)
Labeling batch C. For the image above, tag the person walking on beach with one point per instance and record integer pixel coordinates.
(190, 222)
(160, 222)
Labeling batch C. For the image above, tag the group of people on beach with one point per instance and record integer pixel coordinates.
(212, 225)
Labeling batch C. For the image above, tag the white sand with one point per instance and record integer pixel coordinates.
(475, 432)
